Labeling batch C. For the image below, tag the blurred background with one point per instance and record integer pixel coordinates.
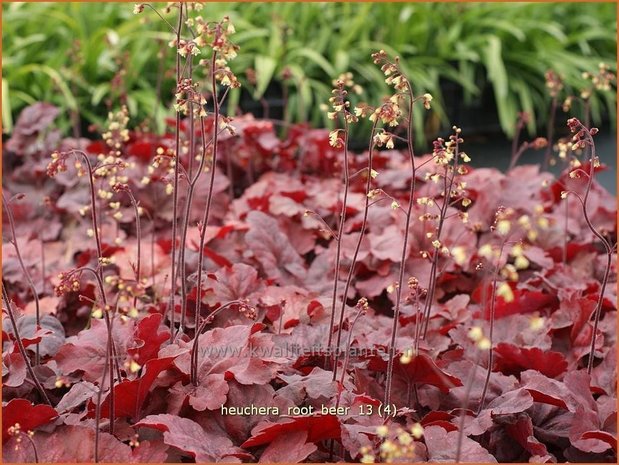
(482, 62)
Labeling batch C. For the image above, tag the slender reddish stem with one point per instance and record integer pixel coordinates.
(9, 214)
(433, 275)
(338, 238)
(605, 243)
(353, 263)
(467, 397)
(194, 346)
(550, 133)
(482, 399)
(138, 231)
(20, 346)
(209, 196)
(177, 160)
(98, 273)
(409, 210)
(110, 353)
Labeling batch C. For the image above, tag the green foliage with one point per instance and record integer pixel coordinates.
(508, 46)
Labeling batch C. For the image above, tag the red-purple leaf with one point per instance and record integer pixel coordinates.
(522, 433)
(76, 444)
(601, 436)
(291, 447)
(546, 390)
(318, 427)
(87, 351)
(188, 436)
(15, 367)
(130, 395)
(421, 370)
(149, 338)
(272, 249)
(442, 447)
(512, 360)
(27, 415)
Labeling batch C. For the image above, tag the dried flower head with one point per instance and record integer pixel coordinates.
(554, 83)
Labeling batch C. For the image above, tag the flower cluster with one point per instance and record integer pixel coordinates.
(128, 291)
(476, 334)
(248, 311)
(383, 138)
(502, 221)
(16, 431)
(161, 168)
(117, 133)
(341, 106)
(391, 69)
(602, 80)
(58, 164)
(450, 161)
(389, 112)
(415, 290)
(397, 446)
(187, 97)
(582, 136)
(554, 83)
(68, 283)
(216, 36)
(445, 151)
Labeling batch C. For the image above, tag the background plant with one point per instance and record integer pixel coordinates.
(491, 52)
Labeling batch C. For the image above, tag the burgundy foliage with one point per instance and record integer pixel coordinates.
(261, 248)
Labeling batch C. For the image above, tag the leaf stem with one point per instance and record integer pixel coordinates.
(9, 214)
(20, 345)
(411, 201)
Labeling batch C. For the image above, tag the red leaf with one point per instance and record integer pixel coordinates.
(442, 447)
(147, 333)
(522, 433)
(421, 370)
(96, 147)
(318, 384)
(545, 398)
(602, 436)
(525, 301)
(318, 427)
(272, 248)
(130, 395)
(259, 203)
(576, 311)
(507, 405)
(573, 249)
(76, 444)
(16, 367)
(219, 260)
(297, 196)
(291, 323)
(315, 309)
(512, 360)
(142, 149)
(87, 351)
(237, 282)
(32, 120)
(77, 395)
(190, 437)
(437, 418)
(546, 390)
(27, 415)
(289, 448)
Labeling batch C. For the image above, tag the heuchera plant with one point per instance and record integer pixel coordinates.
(329, 306)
